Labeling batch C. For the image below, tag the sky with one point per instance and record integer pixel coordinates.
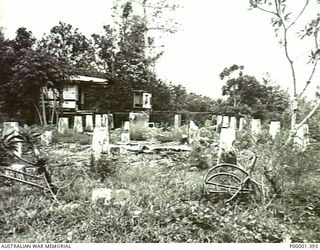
(213, 35)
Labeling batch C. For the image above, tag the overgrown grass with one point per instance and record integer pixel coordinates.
(167, 201)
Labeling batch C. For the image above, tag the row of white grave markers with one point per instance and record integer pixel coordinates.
(231, 122)
(226, 122)
(100, 138)
(101, 120)
(228, 135)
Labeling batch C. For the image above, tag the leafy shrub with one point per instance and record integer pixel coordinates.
(209, 132)
(115, 135)
(203, 156)
(105, 167)
(290, 173)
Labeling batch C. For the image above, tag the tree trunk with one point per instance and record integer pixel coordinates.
(44, 117)
(53, 106)
(58, 110)
(294, 110)
(294, 126)
(39, 114)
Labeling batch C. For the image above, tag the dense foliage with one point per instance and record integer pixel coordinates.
(25, 69)
(247, 96)
(124, 54)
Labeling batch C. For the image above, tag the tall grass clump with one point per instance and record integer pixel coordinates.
(291, 175)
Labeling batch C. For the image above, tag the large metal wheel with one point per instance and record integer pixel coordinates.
(227, 180)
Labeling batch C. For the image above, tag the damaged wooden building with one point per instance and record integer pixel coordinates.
(74, 103)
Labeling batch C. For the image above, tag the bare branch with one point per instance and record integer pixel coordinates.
(301, 12)
(314, 66)
(277, 6)
(310, 78)
(294, 130)
(268, 11)
(309, 115)
(23, 173)
(285, 30)
(49, 185)
(22, 181)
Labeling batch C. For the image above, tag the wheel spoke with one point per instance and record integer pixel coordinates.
(227, 179)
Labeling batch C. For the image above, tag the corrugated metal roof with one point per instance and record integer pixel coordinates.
(89, 79)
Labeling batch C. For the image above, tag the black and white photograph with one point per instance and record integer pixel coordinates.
(159, 121)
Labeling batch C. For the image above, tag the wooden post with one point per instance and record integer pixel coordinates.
(106, 142)
(111, 121)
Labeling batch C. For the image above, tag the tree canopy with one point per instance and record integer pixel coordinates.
(124, 53)
(26, 69)
(247, 96)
